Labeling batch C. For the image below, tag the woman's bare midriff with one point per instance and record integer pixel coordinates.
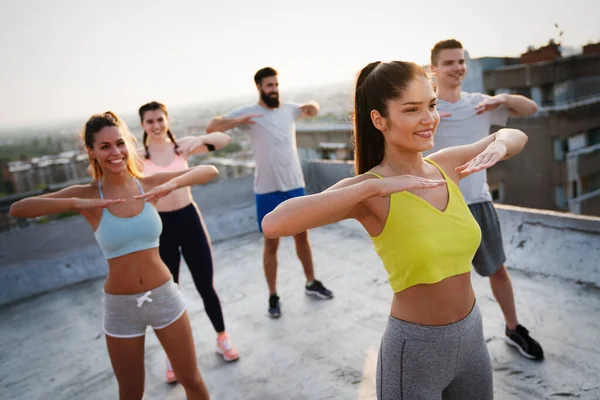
(435, 304)
(136, 273)
(176, 200)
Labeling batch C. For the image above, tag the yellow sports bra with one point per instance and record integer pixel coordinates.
(421, 244)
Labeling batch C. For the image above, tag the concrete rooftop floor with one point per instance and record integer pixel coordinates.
(52, 346)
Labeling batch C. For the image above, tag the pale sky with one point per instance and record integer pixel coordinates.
(65, 59)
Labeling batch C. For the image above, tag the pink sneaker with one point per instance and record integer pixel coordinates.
(225, 348)
(170, 375)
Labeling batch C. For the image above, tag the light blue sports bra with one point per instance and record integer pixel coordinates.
(118, 236)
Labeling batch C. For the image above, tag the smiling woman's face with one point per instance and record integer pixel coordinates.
(155, 123)
(412, 118)
(110, 150)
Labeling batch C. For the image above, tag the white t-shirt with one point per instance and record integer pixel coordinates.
(463, 127)
(273, 141)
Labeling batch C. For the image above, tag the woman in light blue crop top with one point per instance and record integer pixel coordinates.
(139, 290)
(433, 346)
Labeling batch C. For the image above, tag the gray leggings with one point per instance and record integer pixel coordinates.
(420, 362)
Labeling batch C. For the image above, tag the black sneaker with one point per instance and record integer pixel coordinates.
(316, 288)
(274, 306)
(526, 345)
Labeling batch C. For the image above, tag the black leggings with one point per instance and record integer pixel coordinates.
(184, 229)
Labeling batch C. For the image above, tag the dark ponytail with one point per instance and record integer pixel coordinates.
(144, 141)
(152, 106)
(172, 137)
(368, 140)
(376, 84)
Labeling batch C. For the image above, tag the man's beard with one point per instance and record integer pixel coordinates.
(271, 101)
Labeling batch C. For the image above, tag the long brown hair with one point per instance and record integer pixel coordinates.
(376, 84)
(94, 125)
(152, 106)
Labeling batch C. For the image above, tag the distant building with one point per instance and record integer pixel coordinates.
(324, 141)
(476, 67)
(560, 168)
(40, 172)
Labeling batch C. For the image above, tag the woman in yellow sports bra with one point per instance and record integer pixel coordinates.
(433, 346)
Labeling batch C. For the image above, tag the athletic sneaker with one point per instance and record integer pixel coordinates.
(274, 306)
(225, 348)
(316, 288)
(526, 345)
(170, 375)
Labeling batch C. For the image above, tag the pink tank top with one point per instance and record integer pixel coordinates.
(178, 164)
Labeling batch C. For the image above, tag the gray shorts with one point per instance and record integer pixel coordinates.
(420, 362)
(126, 316)
(490, 254)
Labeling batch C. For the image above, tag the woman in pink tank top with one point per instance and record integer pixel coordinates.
(184, 232)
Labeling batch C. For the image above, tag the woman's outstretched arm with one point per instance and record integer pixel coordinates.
(342, 201)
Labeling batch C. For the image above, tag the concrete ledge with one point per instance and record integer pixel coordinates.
(321, 174)
(551, 243)
(47, 257)
(36, 276)
(228, 207)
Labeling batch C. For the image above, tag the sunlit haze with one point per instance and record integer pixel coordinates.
(67, 59)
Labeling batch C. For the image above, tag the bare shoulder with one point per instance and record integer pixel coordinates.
(440, 157)
(149, 181)
(87, 191)
(447, 163)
